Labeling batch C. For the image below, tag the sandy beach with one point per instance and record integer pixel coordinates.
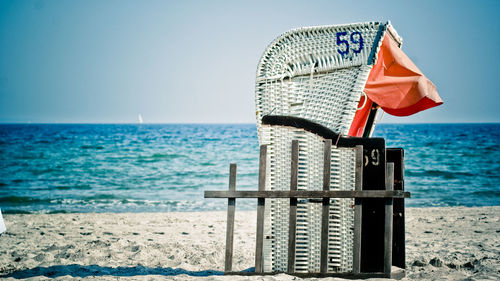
(442, 244)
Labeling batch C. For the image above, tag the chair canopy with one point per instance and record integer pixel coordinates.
(323, 74)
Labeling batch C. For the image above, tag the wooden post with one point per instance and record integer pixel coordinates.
(356, 263)
(231, 203)
(396, 155)
(292, 220)
(327, 162)
(389, 182)
(260, 211)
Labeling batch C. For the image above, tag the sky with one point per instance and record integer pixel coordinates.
(86, 61)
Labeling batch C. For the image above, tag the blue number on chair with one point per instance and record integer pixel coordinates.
(342, 42)
(359, 41)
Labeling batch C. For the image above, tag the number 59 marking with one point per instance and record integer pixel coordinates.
(343, 44)
(372, 158)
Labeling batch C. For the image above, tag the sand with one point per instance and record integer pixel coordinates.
(442, 244)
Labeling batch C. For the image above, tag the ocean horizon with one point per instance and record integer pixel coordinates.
(162, 167)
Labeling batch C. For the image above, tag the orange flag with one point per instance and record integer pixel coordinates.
(397, 85)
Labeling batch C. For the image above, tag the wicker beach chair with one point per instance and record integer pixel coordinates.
(311, 80)
(318, 90)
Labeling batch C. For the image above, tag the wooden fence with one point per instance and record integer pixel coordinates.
(388, 193)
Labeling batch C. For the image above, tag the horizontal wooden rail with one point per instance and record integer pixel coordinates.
(308, 194)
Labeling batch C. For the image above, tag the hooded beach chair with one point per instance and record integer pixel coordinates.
(320, 83)
(318, 90)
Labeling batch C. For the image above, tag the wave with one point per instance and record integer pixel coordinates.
(487, 193)
(156, 157)
(98, 147)
(169, 156)
(437, 173)
(31, 156)
(44, 171)
(22, 200)
(68, 187)
(101, 196)
(18, 212)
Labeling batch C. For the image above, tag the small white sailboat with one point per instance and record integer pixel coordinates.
(140, 118)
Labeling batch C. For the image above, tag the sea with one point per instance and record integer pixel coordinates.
(65, 168)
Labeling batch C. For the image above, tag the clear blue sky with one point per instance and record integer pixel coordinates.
(194, 61)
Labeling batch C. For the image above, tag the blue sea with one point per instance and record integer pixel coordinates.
(55, 168)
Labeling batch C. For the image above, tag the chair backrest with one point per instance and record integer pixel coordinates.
(319, 73)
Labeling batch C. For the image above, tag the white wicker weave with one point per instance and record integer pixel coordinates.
(310, 175)
(306, 73)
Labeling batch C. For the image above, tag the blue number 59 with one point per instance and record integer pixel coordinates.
(343, 44)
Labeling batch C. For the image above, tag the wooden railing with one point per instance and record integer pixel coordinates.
(325, 194)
